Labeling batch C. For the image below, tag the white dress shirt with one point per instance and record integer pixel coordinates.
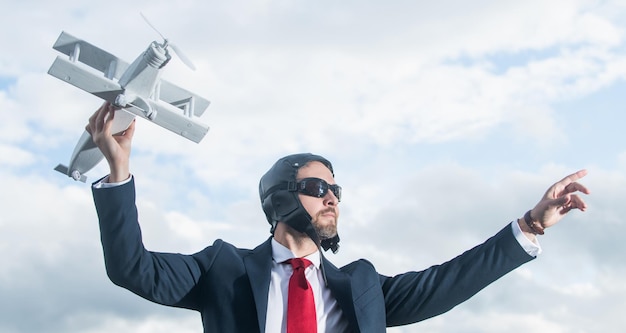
(531, 247)
(329, 315)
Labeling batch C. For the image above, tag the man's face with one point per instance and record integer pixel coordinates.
(324, 211)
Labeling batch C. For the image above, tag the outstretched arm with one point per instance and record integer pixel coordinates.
(558, 200)
(115, 148)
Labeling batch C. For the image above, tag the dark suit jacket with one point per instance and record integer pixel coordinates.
(229, 286)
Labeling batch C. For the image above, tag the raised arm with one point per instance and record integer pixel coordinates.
(165, 278)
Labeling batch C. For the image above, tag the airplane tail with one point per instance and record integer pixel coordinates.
(75, 175)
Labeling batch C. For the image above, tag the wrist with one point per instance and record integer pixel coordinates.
(118, 173)
(529, 224)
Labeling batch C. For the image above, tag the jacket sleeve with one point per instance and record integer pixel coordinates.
(415, 296)
(164, 278)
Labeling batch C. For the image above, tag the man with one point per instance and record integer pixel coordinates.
(241, 290)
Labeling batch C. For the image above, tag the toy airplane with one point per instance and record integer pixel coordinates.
(136, 90)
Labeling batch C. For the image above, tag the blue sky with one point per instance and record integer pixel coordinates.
(444, 122)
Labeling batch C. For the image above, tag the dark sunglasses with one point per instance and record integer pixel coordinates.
(318, 188)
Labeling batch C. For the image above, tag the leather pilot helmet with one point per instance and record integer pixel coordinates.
(279, 197)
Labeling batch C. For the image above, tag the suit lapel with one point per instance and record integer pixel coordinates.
(258, 265)
(341, 288)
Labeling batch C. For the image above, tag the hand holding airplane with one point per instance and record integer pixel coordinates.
(114, 148)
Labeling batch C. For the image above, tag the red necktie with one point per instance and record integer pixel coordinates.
(300, 302)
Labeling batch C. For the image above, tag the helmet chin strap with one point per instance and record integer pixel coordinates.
(310, 231)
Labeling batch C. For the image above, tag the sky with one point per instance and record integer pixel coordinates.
(445, 121)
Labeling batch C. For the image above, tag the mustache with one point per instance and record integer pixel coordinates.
(327, 210)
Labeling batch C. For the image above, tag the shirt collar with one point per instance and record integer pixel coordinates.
(280, 253)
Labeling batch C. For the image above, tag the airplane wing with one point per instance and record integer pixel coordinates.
(96, 71)
(78, 75)
(141, 93)
(90, 55)
(175, 95)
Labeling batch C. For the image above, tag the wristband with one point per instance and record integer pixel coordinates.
(530, 223)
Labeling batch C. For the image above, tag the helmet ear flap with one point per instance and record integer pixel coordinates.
(278, 206)
(269, 213)
(284, 204)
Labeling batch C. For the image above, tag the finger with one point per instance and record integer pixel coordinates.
(577, 202)
(130, 131)
(92, 119)
(102, 107)
(561, 187)
(108, 118)
(98, 117)
(574, 187)
(103, 116)
(94, 116)
(574, 202)
(573, 177)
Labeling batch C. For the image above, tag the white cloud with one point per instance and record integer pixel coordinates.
(444, 121)
(14, 156)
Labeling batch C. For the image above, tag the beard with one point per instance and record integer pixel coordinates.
(327, 230)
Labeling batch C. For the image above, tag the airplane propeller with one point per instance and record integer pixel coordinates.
(167, 43)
